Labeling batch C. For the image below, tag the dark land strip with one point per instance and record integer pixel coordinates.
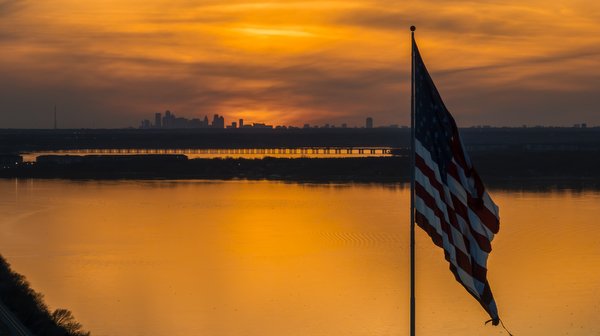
(499, 169)
(18, 140)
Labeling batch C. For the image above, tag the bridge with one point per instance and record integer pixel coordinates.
(234, 151)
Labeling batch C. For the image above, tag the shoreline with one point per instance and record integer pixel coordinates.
(509, 171)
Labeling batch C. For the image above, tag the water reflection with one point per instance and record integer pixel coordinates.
(268, 258)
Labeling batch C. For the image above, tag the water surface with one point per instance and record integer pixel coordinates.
(268, 258)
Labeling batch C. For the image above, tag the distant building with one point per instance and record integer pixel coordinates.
(167, 120)
(195, 123)
(218, 121)
(158, 120)
(261, 125)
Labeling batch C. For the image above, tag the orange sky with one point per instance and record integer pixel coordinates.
(111, 63)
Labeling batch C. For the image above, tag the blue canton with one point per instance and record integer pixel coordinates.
(433, 123)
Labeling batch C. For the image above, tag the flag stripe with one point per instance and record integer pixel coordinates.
(460, 255)
(486, 215)
(423, 221)
(482, 240)
(470, 242)
(490, 220)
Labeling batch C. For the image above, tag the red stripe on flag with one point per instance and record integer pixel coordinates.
(482, 241)
(464, 261)
(476, 204)
(424, 223)
(460, 208)
(485, 215)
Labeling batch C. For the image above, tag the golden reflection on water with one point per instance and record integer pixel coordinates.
(268, 258)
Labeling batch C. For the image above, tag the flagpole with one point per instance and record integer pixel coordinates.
(412, 184)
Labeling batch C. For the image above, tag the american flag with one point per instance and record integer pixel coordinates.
(451, 203)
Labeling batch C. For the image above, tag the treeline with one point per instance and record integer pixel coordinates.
(18, 141)
(498, 168)
(389, 169)
(29, 307)
(14, 141)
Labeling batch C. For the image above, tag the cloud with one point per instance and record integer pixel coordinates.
(445, 19)
(557, 58)
(292, 93)
(93, 92)
(110, 66)
(8, 7)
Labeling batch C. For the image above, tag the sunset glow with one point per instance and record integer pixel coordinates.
(111, 63)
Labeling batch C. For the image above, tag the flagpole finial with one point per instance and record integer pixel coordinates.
(413, 28)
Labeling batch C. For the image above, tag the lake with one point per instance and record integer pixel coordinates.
(255, 258)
